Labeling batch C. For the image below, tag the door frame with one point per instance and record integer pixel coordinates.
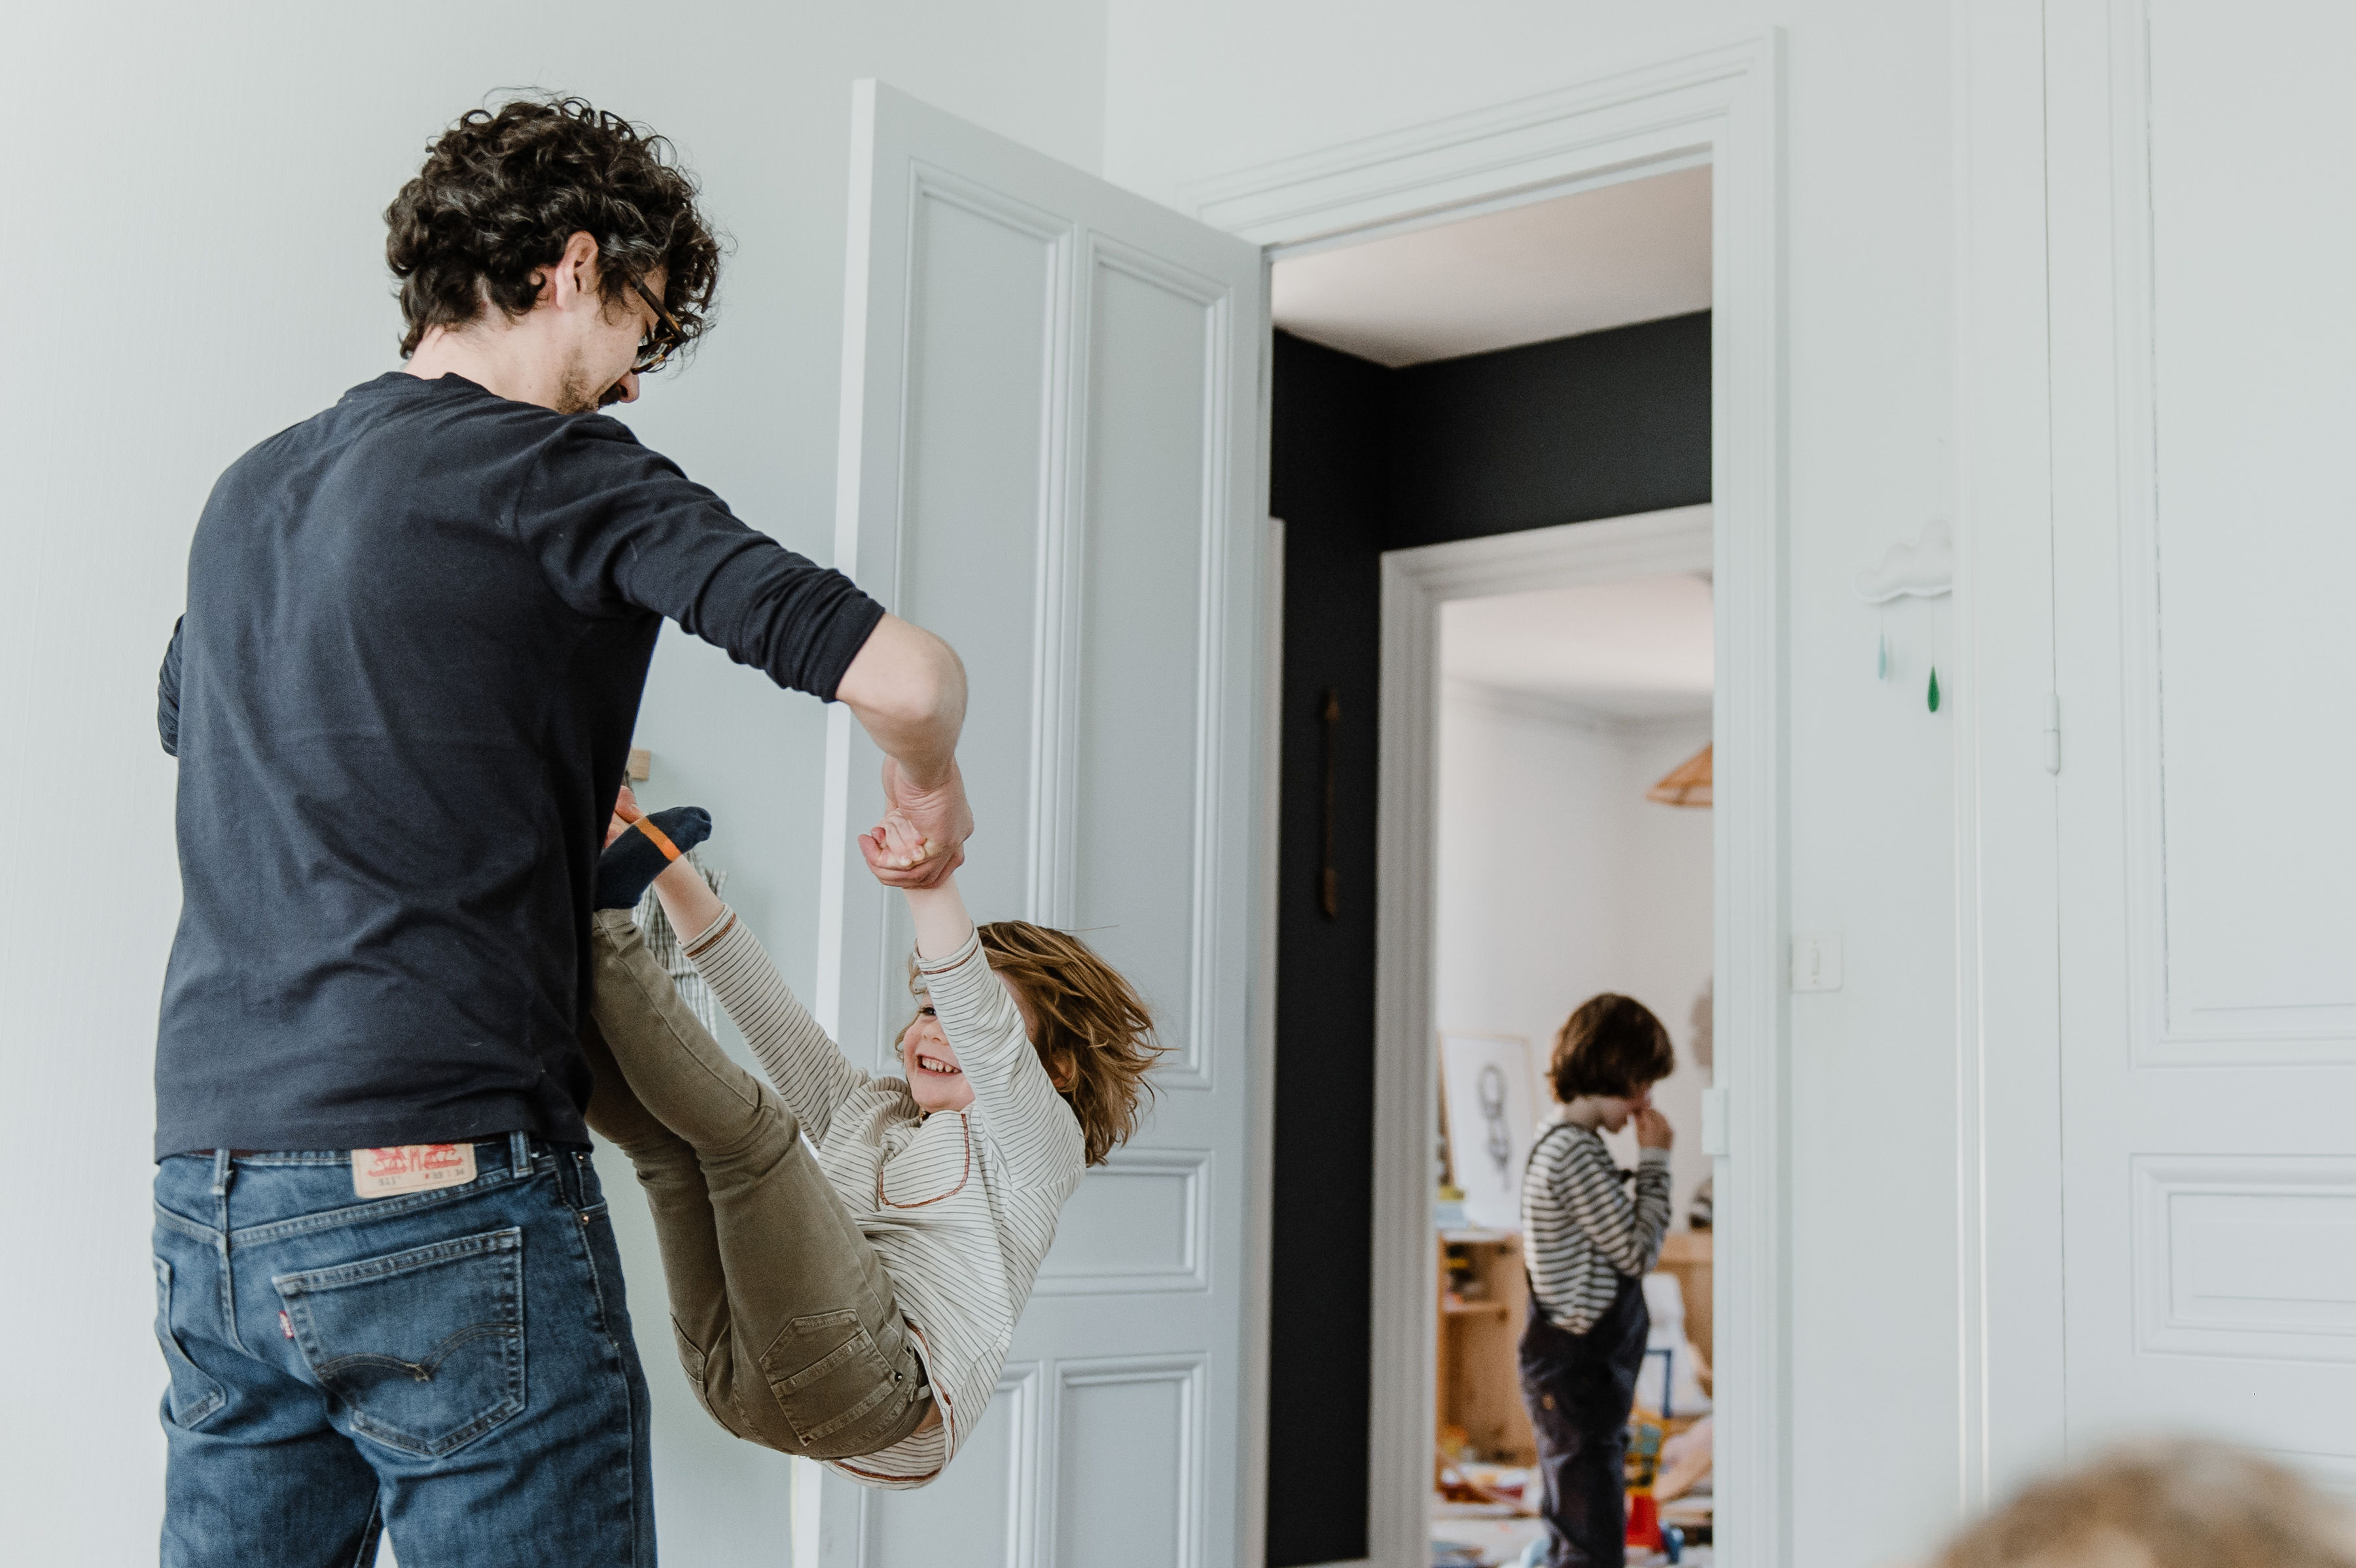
(2008, 752)
(1416, 584)
(1718, 103)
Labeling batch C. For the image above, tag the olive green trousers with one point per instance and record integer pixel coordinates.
(784, 1317)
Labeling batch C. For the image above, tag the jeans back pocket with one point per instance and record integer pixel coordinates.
(424, 1347)
(195, 1394)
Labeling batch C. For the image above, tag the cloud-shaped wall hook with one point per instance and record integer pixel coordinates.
(1922, 570)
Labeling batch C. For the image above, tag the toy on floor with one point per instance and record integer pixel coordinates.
(1644, 1463)
(1646, 1430)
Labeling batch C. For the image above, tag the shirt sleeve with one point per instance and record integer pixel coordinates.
(168, 693)
(1626, 1231)
(812, 1075)
(615, 526)
(1036, 1134)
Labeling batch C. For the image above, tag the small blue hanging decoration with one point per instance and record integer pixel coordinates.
(1881, 659)
(1934, 687)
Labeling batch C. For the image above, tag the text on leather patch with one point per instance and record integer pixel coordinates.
(411, 1167)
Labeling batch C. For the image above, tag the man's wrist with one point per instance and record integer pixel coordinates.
(929, 776)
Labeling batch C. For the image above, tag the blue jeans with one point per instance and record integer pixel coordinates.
(453, 1366)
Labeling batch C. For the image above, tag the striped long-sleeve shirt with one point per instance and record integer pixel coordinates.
(1580, 1231)
(960, 1204)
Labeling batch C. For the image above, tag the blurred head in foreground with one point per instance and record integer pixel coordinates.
(2164, 1505)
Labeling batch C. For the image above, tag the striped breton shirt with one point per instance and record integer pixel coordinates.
(1580, 1231)
(960, 1204)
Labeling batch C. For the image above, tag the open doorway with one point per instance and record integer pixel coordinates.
(1492, 456)
(1572, 760)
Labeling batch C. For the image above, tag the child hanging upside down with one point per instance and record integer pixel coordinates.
(854, 1305)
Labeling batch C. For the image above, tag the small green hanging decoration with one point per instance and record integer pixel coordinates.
(1934, 687)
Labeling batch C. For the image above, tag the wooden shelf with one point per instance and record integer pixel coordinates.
(1687, 1254)
(1479, 1392)
(1480, 1385)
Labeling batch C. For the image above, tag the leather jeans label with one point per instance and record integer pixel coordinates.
(411, 1167)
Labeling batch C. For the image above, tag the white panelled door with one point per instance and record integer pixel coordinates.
(2205, 547)
(1050, 457)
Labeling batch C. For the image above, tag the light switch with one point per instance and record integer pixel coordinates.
(1817, 961)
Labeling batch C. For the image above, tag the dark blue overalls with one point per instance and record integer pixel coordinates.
(1580, 1389)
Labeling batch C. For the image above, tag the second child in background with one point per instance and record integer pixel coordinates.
(1589, 1245)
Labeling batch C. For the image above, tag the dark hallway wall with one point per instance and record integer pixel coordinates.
(1605, 424)
(1364, 459)
(1327, 480)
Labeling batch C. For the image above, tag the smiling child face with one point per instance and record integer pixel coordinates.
(930, 1063)
(936, 1081)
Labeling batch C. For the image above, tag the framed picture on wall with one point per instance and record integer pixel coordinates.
(1491, 1113)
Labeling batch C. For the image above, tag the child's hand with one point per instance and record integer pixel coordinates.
(1652, 1130)
(626, 811)
(890, 847)
(921, 839)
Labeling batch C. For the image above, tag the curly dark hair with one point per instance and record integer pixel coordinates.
(503, 190)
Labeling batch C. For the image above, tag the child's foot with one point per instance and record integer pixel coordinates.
(641, 851)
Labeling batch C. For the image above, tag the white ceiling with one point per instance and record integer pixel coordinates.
(1633, 251)
(1634, 649)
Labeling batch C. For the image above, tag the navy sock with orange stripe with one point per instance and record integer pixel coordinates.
(633, 861)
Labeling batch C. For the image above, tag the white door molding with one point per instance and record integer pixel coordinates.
(1646, 117)
(1718, 103)
(1251, 1505)
(1050, 455)
(2008, 1141)
(2207, 1017)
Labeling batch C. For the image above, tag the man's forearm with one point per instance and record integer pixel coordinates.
(906, 688)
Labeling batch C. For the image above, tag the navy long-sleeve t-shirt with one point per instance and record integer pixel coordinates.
(418, 626)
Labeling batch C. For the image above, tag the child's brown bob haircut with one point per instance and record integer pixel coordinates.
(1094, 1034)
(1611, 1045)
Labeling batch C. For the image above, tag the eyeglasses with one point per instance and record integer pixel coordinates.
(663, 341)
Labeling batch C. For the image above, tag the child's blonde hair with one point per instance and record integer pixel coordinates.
(2163, 1505)
(1093, 1034)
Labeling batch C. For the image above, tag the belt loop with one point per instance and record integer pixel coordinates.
(519, 1153)
(222, 1172)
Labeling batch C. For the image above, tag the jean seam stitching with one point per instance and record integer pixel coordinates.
(176, 1355)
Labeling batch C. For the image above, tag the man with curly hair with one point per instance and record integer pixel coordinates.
(418, 626)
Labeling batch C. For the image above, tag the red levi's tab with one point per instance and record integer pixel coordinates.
(411, 1167)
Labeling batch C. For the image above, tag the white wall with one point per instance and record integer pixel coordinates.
(193, 258)
(1661, 875)
(1555, 879)
(1193, 91)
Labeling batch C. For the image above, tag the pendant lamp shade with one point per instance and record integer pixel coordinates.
(1687, 784)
